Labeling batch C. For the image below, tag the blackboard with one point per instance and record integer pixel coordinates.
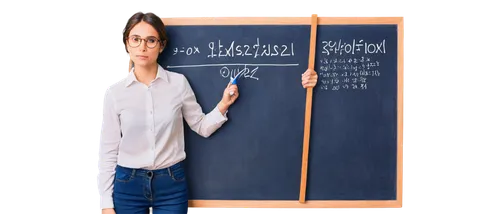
(256, 159)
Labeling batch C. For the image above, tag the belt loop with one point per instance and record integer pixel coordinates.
(169, 172)
(133, 172)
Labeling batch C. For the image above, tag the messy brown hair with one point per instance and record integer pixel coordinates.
(149, 17)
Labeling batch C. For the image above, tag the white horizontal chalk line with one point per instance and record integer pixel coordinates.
(211, 65)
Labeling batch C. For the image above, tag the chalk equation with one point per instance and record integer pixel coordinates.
(232, 49)
(230, 70)
(188, 51)
(362, 64)
(342, 47)
(246, 71)
(347, 73)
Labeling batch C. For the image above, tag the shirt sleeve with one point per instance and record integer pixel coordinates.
(201, 123)
(108, 151)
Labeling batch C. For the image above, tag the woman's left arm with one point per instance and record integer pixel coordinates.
(201, 123)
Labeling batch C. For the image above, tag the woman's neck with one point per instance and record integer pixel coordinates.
(146, 74)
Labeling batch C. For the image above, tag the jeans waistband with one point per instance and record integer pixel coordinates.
(147, 172)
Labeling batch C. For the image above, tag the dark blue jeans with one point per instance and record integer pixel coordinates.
(164, 190)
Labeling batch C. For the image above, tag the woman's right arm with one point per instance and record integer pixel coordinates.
(108, 151)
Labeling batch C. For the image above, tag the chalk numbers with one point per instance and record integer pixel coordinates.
(343, 47)
(338, 74)
(188, 51)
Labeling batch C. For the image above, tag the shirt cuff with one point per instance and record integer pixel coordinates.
(218, 116)
(107, 202)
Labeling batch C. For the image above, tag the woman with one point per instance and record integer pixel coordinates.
(142, 137)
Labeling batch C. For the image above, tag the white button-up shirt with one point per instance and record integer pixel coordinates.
(143, 126)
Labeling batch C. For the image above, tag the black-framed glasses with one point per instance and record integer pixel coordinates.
(135, 41)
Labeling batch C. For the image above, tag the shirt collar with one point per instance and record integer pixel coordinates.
(160, 74)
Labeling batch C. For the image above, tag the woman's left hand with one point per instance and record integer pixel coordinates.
(309, 78)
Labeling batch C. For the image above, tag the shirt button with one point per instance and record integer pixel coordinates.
(151, 112)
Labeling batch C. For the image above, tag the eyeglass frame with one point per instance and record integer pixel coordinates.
(141, 39)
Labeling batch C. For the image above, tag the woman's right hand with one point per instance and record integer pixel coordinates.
(108, 211)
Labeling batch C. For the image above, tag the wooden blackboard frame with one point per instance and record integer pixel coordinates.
(301, 203)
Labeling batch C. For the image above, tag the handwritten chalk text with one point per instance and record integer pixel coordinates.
(233, 49)
(186, 50)
(355, 47)
(246, 72)
(347, 73)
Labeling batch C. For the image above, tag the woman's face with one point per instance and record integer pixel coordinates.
(143, 44)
